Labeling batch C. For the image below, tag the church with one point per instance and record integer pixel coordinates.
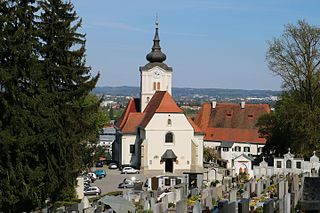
(153, 133)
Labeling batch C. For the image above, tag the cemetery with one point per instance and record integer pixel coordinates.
(270, 189)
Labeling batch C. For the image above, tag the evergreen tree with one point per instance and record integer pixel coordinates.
(21, 176)
(66, 85)
(46, 123)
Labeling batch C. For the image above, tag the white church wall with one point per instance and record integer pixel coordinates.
(127, 140)
(183, 134)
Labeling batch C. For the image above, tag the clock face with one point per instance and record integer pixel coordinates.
(156, 74)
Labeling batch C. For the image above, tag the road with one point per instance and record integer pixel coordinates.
(113, 179)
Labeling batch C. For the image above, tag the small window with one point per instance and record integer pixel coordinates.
(218, 147)
(132, 148)
(154, 85)
(169, 122)
(278, 164)
(250, 116)
(225, 149)
(148, 99)
(169, 137)
(158, 86)
(167, 182)
(298, 165)
(237, 149)
(246, 149)
(288, 164)
(178, 181)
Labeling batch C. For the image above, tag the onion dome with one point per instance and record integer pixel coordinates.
(156, 55)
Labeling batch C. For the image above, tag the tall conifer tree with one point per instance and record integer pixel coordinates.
(66, 84)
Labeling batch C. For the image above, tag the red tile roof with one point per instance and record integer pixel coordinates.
(194, 125)
(229, 122)
(233, 134)
(161, 102)
(131, 107)
(133, 121)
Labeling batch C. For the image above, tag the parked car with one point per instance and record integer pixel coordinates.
(128, 184)
(100, 173)
(93, 190)
(113, 166)
(129, 170)
(99, 164)
(93, 176)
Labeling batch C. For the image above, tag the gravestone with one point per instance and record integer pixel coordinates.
(208, 201)
(223, 206)
(181, 206)
(245, 195)
(146, 205)
(268, 206)
(233, 195)
(253, 186)
(232, 207)
(152, 202)
(258, 188)
(171, 197)
(281, 189)
(88, 210)
(243, 206)
(287, 203)
(165, 203)
(197, 208)
(158, 208)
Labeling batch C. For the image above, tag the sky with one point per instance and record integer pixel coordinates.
(208, 43)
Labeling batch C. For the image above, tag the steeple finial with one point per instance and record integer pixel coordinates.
(157, 21)
(156, 55)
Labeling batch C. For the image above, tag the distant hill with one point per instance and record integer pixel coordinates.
(188, 93)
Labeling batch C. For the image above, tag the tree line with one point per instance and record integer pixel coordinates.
(48, 120)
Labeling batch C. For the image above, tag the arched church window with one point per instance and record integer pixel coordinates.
(154, 85)
(169, 122)
(169, 137)
(158, 86)
(288, 164)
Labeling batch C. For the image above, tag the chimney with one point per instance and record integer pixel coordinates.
(214, 104)
(242, 104)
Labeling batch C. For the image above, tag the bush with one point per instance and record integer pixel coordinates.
(171, 205)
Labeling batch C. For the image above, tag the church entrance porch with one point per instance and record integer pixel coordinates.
(168, 157)
(168, 165)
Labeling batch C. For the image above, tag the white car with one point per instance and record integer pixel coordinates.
(93, 190)
(129, 170)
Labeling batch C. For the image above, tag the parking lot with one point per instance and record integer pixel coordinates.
(113, 179)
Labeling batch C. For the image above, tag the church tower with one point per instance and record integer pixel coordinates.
(156, 75)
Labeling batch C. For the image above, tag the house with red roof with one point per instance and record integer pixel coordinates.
(231, 129)
(153, 133)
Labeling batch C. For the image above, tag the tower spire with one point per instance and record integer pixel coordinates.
(156, 55)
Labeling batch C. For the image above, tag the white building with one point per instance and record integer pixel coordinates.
(288, 164)
(230, 128)
(153, 132)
